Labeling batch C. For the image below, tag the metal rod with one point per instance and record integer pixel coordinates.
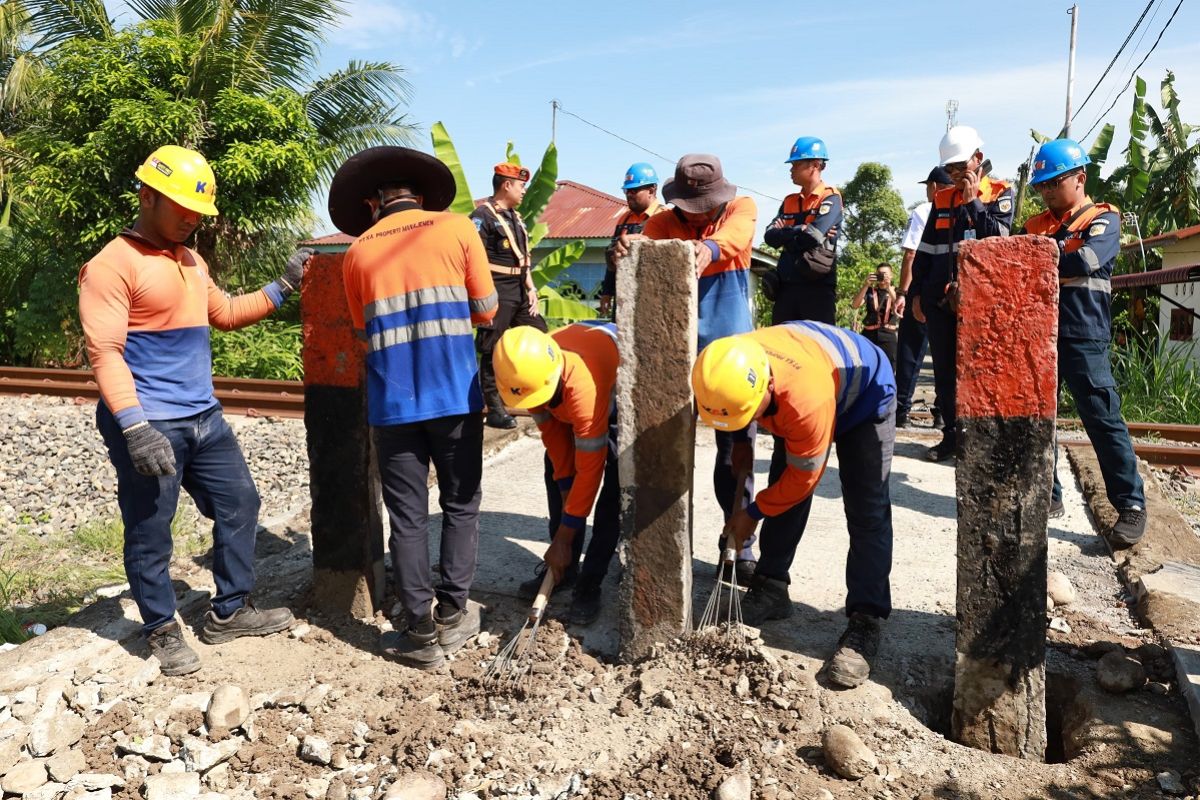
(1074, 12)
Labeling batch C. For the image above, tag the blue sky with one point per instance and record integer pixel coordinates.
(743, 81)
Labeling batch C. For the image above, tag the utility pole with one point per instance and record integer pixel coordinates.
(553, 119)
(951, 113)
(1074, 12)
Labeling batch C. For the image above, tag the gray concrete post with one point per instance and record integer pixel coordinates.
(656, 324)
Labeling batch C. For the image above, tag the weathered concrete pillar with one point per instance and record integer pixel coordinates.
(347, 528)
(656, 324)
(1007, 381)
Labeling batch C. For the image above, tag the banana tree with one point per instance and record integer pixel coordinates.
(541, 187)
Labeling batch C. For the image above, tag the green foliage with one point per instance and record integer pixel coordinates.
(270, 350)
(874, 209)
(541, 187)
(1155, 381)
(443, 148)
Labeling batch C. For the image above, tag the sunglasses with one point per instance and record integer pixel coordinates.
(957, 166)
(1054, 183)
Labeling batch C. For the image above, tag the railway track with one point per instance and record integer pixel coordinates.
(253, 398)
(258, 398)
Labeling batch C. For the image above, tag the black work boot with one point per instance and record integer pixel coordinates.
(851, 663)
(1056, 508)
(942, 451)
(529, 589)
(173, 654)
(416, 647)
(497, 416)
(1129, 527)
(767, 600)
(457, 627)
(585, 602)
(248, 620)
(901, 419)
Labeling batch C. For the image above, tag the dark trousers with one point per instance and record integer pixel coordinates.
(725, 485)
(1084, 366)
(864, 466)
(815, 302)
(512, 312)
(911, 346)
(606, 519)
(455, 446)
(942, 326)
(209, 466)
(885, 340)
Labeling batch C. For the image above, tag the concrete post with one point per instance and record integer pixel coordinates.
(656, 324)
(1007, 399)
(347, 528)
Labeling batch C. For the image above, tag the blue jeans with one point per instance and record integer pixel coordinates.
(210, 467)
(1084, 366)
(864, 466)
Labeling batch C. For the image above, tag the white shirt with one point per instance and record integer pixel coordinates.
(916, 226)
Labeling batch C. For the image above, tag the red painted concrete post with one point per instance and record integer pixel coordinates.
(347, 528)
(1007, 400)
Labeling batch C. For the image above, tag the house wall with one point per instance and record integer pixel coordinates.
(1178, 254)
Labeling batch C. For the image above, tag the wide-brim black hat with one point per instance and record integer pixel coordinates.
(363, 173)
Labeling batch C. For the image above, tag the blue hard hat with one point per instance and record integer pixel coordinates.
(807, 147)
(639, 175)
(1057, 158)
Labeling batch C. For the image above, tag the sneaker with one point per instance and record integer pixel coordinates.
(248, 620)
(1130, 526)
(454, 630)
(942, 451)
(500, 418)
(530, 588)
(173, 654)
(416, 647)
(585, 602)
(1056, 508)
(767, 600)
(851, 663)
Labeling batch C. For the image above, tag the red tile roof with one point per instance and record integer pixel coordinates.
(575, 211)
(1163, 238)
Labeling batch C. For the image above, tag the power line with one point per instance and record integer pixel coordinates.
(644, 149)
(1133, 50)
(1120, 50)
(1135, 69)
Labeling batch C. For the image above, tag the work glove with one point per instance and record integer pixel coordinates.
(293, 273)
(149, 450)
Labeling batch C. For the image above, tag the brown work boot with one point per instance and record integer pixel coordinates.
(457, 627)
(173, 654)
(850, 665)
(249, 620)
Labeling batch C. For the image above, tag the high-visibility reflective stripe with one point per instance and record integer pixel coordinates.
(851, 374)
(539, 417)
(805, 463)
(486, 303)
(591, 444)
(417, 297)
(1089, 257)
(609, 328)
(420, 330)
(937, 249)
(1092, 284)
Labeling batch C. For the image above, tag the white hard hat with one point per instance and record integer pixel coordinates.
(959, 144)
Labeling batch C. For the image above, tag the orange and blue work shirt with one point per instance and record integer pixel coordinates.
(935, 264)
(146, 314)
(724, 291)
(806, 222)
(1089, 240)
(631, 223)
(416, 282)
(575, 425)
(827, 380)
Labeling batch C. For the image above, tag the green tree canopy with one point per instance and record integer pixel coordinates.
(874, 209)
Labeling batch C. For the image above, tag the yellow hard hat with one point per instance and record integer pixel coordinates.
(182, 175)
(528, 365)
(730, 380)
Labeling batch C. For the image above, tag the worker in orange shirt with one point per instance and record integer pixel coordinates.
(566, 380)
(720, 227)
(506, 242)
(146, 302)
(814, 386)
(641, 194)
(417, 280)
